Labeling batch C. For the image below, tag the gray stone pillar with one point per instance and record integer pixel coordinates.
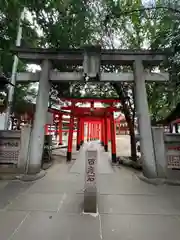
(159, 151)
(146, 141)
(37, 137)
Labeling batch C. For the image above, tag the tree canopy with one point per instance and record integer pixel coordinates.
(113, 24)
(133, 24)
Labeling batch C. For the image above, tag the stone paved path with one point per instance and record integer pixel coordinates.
(51, 208)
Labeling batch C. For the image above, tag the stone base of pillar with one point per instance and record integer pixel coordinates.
(60, 144)
(34, 169)
(32, 177)
(90, 201)
(82, 142)
(114, 159)
(77, 147)
(106, 148)
(69, 156)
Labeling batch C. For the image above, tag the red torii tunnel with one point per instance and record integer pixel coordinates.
(98, 123)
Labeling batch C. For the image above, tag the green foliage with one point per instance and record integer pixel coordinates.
(113, 24)
(9, 20)
(23, 96)
(153, 26)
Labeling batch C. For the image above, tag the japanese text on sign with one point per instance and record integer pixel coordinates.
(173, 161)
(9, 144)
(91, 170)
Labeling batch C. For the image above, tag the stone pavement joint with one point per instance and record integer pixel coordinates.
(52, 207)
(31, 177)
(159, 181)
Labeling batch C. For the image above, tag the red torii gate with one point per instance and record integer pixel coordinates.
(99, 121)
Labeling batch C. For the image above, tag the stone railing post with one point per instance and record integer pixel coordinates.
(159, 150)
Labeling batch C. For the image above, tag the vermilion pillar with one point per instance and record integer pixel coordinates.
(109, 130)
(70, 137)
(106, 134)
(60, 129)
(95, 131)
(91, 131)
(46, 129)
(78, 135)
(82, 132)
(88, 132)
(99, 131)
(113, 138)
(102, 133)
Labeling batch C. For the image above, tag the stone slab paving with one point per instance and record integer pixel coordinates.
(49, 226)
(52, 208)
(10, 191)
(123, 147)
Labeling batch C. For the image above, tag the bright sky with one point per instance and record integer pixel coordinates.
(148, 3)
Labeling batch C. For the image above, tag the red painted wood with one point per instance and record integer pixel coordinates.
(102, 131)
(78, 139)
(88, 137)
(46, 129)
(70, 136)
(88, 110)
(60, 129)
(105, 131)
(82, 130)
(91, 131)
(88, 100)
(113, 135)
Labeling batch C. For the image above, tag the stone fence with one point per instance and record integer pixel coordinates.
(14, 147)
(167, 153)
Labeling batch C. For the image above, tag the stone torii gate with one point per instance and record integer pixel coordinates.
(91, 59)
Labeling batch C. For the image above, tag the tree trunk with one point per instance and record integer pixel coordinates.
(132, 140)
(129, 120)
(131, 132)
